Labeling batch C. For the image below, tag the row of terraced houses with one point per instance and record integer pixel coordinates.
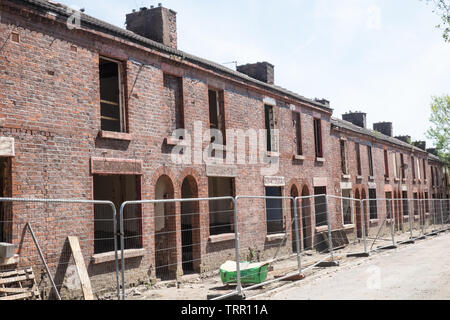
(88, 112)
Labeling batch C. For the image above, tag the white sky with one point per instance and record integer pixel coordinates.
(382, 57)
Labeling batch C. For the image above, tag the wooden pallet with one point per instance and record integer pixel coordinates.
(19, 284)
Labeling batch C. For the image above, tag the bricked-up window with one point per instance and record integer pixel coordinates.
(5, 207)
(320, 206)
(373, 204)
(269, 120)
(274, 211)
(296, 119)
(117, 189)
(111, 95)
(347, 207)
(386, 164)
(344, 160)
(318, 138)
(221, 212)
(413, 168)
(358, 158)
(173, 93)
(370, 157)
(217, 112)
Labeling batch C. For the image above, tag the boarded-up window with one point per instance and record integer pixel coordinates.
(111, 96)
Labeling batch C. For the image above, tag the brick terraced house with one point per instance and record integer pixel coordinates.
(88, 113)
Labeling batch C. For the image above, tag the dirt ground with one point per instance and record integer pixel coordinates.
(411, 272)
(196, 287)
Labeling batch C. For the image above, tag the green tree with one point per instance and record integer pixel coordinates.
(440, 128)
(442, 8)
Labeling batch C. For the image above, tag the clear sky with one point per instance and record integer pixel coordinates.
(382, 57)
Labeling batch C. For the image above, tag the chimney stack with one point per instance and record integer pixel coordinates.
(158, 24)
(420, 144)
(262, 71)
(323, 101)
(384, 128)
(357, 118)
(406, 139)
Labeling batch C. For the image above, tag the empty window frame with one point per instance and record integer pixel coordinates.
(416, 204)
(386, 164)
(318, 137)
(358, 158)
(370, 157)
(373, 204)
(274, 211)
(424, 169)
(347, 215)
(173, 93)
(296, 119)
(217, 111)
(112, 95)
(344, 160)
(221, 212)
(427, 204)
(419, 176)
(117, 189)
(320, 206)
(413, 168)
(433, 182)
(269, 120)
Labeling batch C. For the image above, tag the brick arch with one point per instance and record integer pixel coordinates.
(165, 171)
(307, 220)
(290, 225)
(201, 183)
(292, 183)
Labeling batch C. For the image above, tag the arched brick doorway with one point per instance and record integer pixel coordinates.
(165, 230)
(190, 227)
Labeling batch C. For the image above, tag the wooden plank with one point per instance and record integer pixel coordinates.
(14, 290)
(17, 279)
(15, 272)
(81, 268)
(17, 296)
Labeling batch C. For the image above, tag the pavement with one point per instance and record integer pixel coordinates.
(419, 271)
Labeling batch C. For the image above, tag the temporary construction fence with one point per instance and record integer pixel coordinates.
(183, 243)
(55, 238)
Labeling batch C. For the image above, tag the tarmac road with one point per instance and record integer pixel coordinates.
(420, 271)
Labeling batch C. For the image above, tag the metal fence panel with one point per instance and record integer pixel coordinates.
(172, 244)
(39, 229)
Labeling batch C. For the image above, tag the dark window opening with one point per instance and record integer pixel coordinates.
(5, 207)
(388, 205)
(347, 207)
(270, 127)
(405, 203)
(386, 164)
(298, 132)
(416, 204)
(221, 212)
(427, 204)
(173, 93)
(320, 205)
(274, 211)
(318, 138)
(344, 162)
(117, 189)
(369, 155)
(373, 204)
(424, 170)
(358, 158)
(217, 112)
(413, 168)
(402, 163)
(111, 96)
